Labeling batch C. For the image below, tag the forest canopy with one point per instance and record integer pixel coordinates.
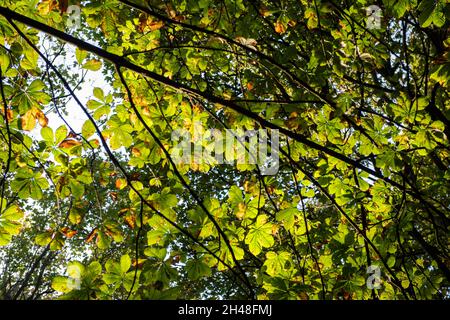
(347, 100)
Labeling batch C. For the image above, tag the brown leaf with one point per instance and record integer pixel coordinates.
(146, 22)
(135, 176)
(42, 119)
(176, 259)
(63, 5)
(91, 235)
(179, 18)
(303, 296)
(72, 135)
(113, 195)
(264, 11)
(142, 22)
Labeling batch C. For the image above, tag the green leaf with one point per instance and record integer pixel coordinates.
(276, 263)
(431, 12)
(60, 134)
(121, 137)
(155, 236)
(47, 134)
(98, 93)
(287, 217)
(12, 213)
(197, 269)
(235, 195)
(103, 241)
(80, 55)
(43, 239)
(60, 284)
(4, 61)
(391, 261)
(125, 263)
(260, 235)
(88, 129)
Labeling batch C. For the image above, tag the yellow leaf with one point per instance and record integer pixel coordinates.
(93, 65)
(28, 121)
(46, 6)
(240, 212)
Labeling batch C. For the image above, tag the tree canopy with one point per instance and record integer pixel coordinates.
(355, 93)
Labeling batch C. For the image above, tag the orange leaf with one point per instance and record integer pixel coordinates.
(69, 143)
(68, 233)
(130, 221)
(121, 183)
(279, 27)
(136, 152)
(156, 25)
(91, 235)
(146, 112)
(9, 114)
(40, 116)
